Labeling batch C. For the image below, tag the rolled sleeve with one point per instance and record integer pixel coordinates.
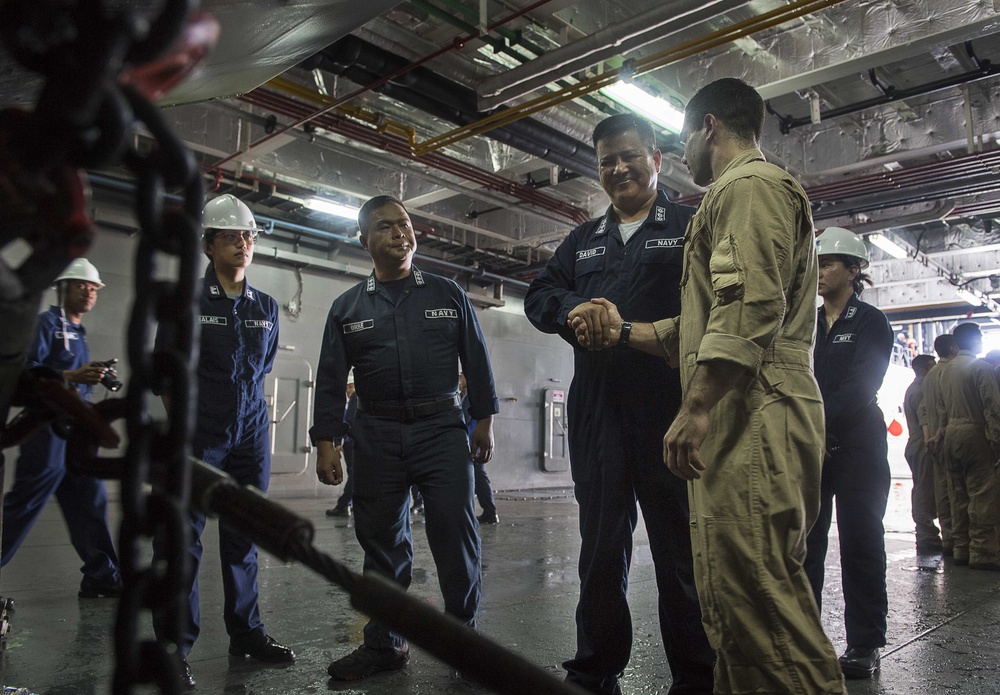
(668, 333)
(731, 348)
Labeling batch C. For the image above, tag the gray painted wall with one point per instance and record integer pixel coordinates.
(524, 360)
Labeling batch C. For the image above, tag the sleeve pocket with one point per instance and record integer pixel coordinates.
(728, 281)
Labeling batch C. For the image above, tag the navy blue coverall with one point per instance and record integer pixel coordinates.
(41, 467)
(483, 486)
(620, 405)
(850, 362)
(405, 353)
(239, 338)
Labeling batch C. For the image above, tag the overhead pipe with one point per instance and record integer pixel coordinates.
(364, 63)
(890, 94)
(611, 41)
(399, 146)
(457, 43)
(631, 68)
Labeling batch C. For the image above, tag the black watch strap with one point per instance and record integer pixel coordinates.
(626, 332)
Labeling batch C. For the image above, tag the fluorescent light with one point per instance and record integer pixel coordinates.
(970, 297)
(332, 208)
(888, 245)
(659, 111)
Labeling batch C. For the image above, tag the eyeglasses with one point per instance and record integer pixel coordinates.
(249, 236)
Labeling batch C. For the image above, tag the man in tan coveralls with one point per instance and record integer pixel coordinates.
(968, 407)
(749, 435)
(946, 349)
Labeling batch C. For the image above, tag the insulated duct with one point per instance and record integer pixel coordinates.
(364, 63)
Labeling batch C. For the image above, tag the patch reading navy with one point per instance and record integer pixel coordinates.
(844, 337)
(664, 243)
(441, 313)
(214, 320)
(254, 323)
(851, 311)
(359, 326)
(590, 253)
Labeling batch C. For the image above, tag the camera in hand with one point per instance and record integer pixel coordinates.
(110, 380)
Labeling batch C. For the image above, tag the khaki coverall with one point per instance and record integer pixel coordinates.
(927, 415)
(969, 408)
(748, 296)
(922, 499)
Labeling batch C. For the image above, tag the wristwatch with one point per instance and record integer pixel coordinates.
(623, 336)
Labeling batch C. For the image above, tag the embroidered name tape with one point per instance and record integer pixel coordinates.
(590, 253)
(71, 336)
(359, 326)
(253, 323)
(214, 320)
(664, 243)
(441, 313)
(844, 338)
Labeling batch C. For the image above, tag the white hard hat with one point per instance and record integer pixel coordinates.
(81, 269)
(228, 212)
(842, 242)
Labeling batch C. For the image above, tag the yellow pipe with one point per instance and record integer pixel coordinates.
(642, 66)
(380, 122)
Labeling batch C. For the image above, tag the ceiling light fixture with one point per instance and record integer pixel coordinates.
(970, 297)
(888, 245)
(331, 207)
(656, 109)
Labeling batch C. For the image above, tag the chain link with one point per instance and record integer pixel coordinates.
(83, 118)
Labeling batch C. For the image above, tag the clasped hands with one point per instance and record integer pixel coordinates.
(597, 324)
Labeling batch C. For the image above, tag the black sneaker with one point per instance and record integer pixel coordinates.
(90, 588)
(187, 678)
(485, 518)
(341, 512)
(365, 661)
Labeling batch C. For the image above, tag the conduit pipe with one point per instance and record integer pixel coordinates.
(768, 20)
(364, 63)
(286, 106)
(614, 40)
(458, 43)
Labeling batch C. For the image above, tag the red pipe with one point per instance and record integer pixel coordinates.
(291, 108)
(457, 43)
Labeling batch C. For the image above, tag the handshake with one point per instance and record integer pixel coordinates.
(597, 324)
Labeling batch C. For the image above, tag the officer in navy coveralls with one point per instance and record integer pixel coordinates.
(239, 338)
(61, 344)
(620, 404)
(853, 347)
(403, 331)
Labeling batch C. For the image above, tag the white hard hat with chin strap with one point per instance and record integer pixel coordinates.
(837, 241)
(80, 269)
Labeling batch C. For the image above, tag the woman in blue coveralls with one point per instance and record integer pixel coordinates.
(239, 338)
(853, 347)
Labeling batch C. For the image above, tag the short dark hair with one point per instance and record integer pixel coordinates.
(921, 363)
(944, 344)
(369, 208)
(967, 335)
(732, 101)
(622, 123)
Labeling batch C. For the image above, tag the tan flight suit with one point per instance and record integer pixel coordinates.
(922, 501)
(748, 295)
(971, 418)
(927, 415)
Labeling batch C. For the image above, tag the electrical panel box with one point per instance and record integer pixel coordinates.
(555, 432)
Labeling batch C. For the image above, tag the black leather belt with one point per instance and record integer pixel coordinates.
(408, 413)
